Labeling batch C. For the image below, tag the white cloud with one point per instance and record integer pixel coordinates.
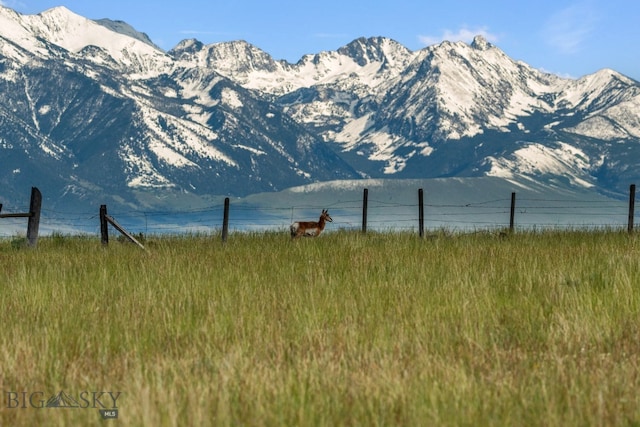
(464, 34)
(568, 29)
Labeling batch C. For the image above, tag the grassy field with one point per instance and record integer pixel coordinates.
(346, 329)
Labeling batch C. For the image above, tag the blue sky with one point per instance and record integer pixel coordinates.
(569, 38)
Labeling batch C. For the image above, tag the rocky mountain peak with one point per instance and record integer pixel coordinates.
(481, 43)
(186, 46)
(374, 49)
(240, 57)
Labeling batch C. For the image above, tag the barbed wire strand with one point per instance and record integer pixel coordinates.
(382, 214)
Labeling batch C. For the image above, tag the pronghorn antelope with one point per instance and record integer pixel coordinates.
(310, 228)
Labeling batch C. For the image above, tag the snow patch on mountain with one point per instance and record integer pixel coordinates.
(250, 149)
(140, 171)
(174, 141)
(231, 98)
(620, 121)
(168, 155)
(535, 159)
(600, 127)
(353, 130)
(196, 86)
(52, 149)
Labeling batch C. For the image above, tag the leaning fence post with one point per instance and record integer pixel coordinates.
(365, 202)
(34, 216)
(225, 220)
(632, 202)
(104, 229)
(512, 215)
(421, 212)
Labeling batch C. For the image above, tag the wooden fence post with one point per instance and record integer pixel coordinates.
(225, 220)
(365, 202)
(33, 224)
(512, 215)
(632, 202)
(421, 212)
(105, 220)
(104, 226)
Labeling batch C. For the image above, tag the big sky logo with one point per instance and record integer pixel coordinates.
(105, 401)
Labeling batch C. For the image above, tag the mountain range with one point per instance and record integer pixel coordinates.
(93, 112)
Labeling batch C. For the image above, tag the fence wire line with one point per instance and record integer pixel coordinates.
(380, 214)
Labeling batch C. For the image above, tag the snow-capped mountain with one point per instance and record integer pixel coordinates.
(94, 110)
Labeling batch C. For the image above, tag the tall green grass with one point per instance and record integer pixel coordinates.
(346, 329)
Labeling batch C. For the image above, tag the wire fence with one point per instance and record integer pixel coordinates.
(355, 214)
